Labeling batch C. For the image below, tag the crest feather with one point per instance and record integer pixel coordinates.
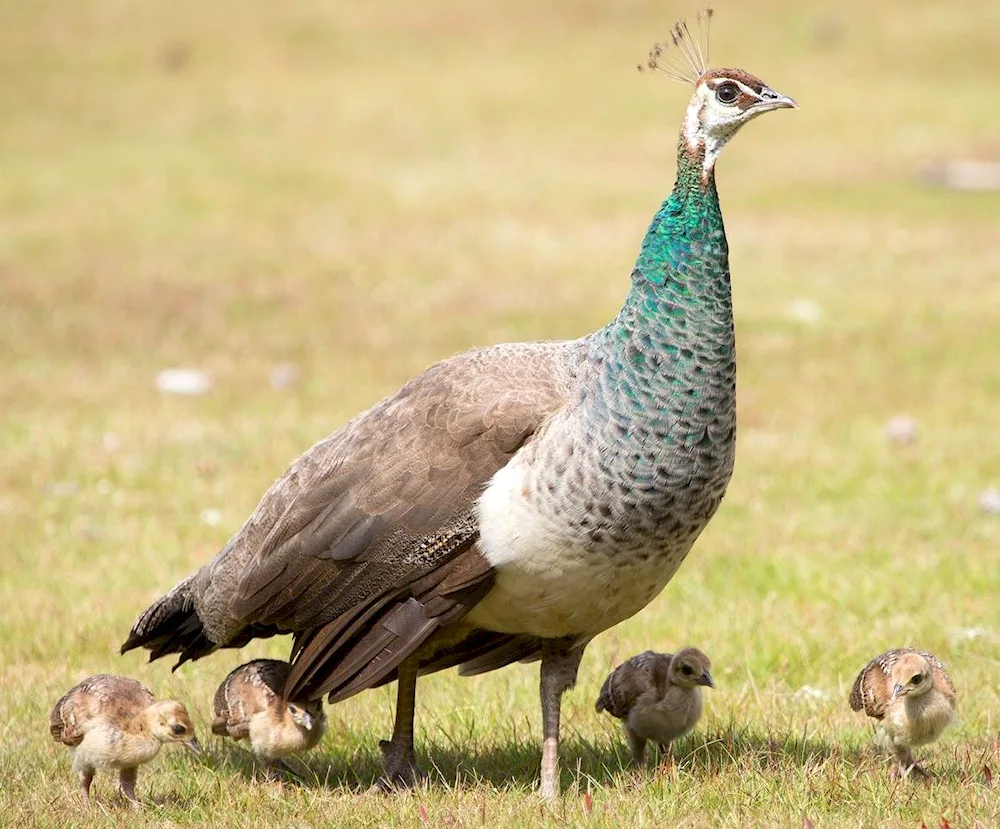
(684, 57)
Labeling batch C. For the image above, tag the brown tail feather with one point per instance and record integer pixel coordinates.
(363, 648)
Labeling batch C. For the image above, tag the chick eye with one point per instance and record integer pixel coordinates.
(727, 92)
(178, 729)
(915, 679)
(686, 670)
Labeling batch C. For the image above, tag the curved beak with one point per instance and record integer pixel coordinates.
(706, 679)
(897, 691)
(770, 99)
(193, 745)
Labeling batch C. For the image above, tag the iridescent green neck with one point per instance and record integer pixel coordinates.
(669, 356)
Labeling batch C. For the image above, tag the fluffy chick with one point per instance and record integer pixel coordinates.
(911, 695)
(657, 696)
(249, 705)
(114, 722)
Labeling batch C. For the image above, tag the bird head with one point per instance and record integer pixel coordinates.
(307, 715)
(690, 668)
(911, 676)
(170, 722)
(723, 100)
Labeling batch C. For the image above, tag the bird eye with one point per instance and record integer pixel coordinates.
(915, 679)
(686, 670)
(178, 729)
(727, 92)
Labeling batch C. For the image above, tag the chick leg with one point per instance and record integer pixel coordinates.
(401, 769)
(126, 780)
(86, 778)
(637, 744)
(560, 662)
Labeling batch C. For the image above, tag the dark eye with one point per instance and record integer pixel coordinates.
(727, 92)
(915, 679)
(178, 729)
(686, 670)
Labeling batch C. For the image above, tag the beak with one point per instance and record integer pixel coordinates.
(706, 679)
(897, 691)
(769, 99)
(307, 720)
(194, 745)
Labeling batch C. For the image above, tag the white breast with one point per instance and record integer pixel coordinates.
(552, 580)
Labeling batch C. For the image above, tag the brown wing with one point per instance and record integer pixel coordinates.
(626, 684)
(247, 690)
(873, 688)
(105, 697)
(367, 545)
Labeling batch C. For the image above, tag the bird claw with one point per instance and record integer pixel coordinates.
(401, 769)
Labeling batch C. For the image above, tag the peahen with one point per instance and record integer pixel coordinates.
(511, 502)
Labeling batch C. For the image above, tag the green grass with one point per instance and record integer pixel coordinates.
(363, 188)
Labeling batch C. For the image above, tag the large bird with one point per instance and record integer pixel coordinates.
(512, 502)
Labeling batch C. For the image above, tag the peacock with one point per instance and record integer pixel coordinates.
(511, 502)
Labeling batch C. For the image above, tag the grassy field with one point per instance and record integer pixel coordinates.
(360, 189)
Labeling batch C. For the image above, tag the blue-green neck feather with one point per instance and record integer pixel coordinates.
(668, 373)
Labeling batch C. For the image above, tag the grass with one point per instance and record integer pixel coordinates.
(360, 189)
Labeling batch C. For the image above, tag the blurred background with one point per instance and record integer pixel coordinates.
(300, 205)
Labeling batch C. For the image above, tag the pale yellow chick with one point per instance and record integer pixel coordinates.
(911, 696)
(114, 722)
(250, 705)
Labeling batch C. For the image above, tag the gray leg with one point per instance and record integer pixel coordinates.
(86, 778)
(126, 779)
(558, 674)
(401, 770)
(637, 744)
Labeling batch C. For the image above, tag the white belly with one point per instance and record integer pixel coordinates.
(552, 579)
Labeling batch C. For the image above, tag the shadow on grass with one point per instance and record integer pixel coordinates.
(515, 764)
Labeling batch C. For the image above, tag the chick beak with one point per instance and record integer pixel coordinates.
(193, 745)
(307, 721)
(706, 679)
(897, 691)
(770, 99)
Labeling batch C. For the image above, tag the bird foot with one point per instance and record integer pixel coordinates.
(915, 770)
(401, 769)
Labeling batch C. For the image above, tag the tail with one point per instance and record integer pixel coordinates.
(171, 625)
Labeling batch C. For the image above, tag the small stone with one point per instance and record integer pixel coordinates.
(902, 429)
(284, 376)
(964, 174)
(183, 381)
(968, 634)
(211, 516)
(805, 310)
(808, 692)
(989, 501)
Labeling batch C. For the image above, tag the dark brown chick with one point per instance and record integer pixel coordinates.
(657, 696)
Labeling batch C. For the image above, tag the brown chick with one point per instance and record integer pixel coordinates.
(911, 695)
(657, 696)
(249, 705)
(114, 722)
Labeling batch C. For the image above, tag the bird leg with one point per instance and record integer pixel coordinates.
(637, 744)
(666, 754)
(86, 778)
(907, 766)
(274, 771)
(126, 780)
(560, 662)
(401, 769)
